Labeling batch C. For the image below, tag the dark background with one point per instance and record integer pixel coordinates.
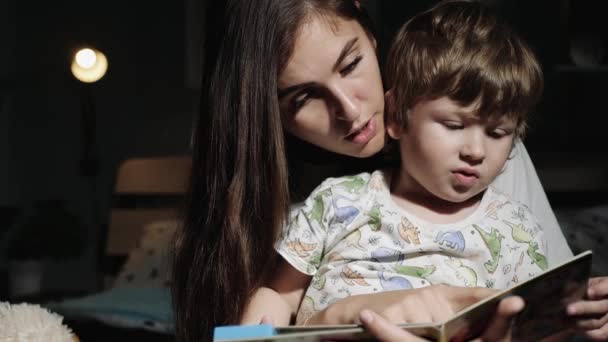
(146, 101)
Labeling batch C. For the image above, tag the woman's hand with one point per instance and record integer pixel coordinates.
(497, 330)
(592, 313)
(428, 304)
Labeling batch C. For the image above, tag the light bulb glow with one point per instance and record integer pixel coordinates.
(86, 58)
(89, 65)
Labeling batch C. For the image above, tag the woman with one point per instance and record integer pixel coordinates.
(260, 80)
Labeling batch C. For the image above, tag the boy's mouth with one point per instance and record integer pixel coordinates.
(467, 172)
(465, 176)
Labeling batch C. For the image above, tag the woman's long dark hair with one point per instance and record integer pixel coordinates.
(239, 193)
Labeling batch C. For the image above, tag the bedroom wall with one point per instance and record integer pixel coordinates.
(7, 48)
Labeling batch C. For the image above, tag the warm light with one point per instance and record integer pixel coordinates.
(86, 58)
(89, 65)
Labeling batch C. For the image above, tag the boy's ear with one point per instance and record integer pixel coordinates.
(389, 101)
(394, 129)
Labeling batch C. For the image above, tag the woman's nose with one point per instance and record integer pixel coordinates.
(347, 106)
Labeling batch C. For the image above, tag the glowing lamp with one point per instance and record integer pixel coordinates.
(89, 65)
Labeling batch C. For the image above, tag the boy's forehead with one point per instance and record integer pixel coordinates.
(445, 105)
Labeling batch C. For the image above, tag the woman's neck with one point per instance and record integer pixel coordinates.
(410, 195)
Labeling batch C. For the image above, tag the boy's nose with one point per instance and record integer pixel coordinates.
(473, 150)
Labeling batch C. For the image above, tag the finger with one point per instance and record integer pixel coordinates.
(384, 331)
(598, 288)
(461, 297)
(592, 323)
(598, 334)
(266, 319)
(499, 327)
(588, 307)
(408, 311)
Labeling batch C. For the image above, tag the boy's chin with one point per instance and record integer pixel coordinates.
(458, 196)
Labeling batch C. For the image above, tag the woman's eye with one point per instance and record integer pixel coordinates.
(300, 100)
(351, 66)
(453, 125)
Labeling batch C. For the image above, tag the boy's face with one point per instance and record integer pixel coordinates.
(448, 152)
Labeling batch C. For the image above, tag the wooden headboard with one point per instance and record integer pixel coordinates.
(145, 190)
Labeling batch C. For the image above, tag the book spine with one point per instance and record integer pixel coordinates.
(442, 334)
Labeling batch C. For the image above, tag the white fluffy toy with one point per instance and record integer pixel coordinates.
(32, 323)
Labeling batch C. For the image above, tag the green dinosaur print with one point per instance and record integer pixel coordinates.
(537, 258)
(354, 240)
(467, 275)
(319, 282)
(415, 271)
(318, 209)
(523, 236)
(493, 242)
(353, 183)
(315, 259)
(519, 233)
(374, 219)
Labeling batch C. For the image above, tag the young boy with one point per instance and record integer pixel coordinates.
(461, 84)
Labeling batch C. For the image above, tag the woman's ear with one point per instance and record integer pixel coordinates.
(393, 128)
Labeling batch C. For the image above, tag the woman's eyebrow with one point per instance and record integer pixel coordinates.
(345, 51)
(286, 91)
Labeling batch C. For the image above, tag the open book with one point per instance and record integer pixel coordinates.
(547, 295)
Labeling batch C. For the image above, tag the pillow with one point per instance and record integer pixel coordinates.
(140, 297)
(148, 264)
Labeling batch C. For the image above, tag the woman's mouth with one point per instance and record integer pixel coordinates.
(363, 134)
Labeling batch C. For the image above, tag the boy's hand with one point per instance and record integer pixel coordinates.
(592, 313)
(384, 330)
(428, 304)
(499, 328)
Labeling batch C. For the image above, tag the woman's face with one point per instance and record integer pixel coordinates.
(331, 92)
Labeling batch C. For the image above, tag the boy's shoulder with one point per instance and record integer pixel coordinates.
(356, 187)
(351, 183)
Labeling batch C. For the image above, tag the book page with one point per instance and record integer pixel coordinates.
(547, 295)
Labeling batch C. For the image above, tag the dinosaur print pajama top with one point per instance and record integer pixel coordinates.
(353, 239)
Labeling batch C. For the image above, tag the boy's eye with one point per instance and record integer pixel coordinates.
(453, 125)
(351, 66)
(498, 133)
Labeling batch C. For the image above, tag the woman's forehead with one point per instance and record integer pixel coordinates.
(321, 29)
(319, 44)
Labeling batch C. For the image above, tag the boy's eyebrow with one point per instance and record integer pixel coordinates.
(345, 51)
